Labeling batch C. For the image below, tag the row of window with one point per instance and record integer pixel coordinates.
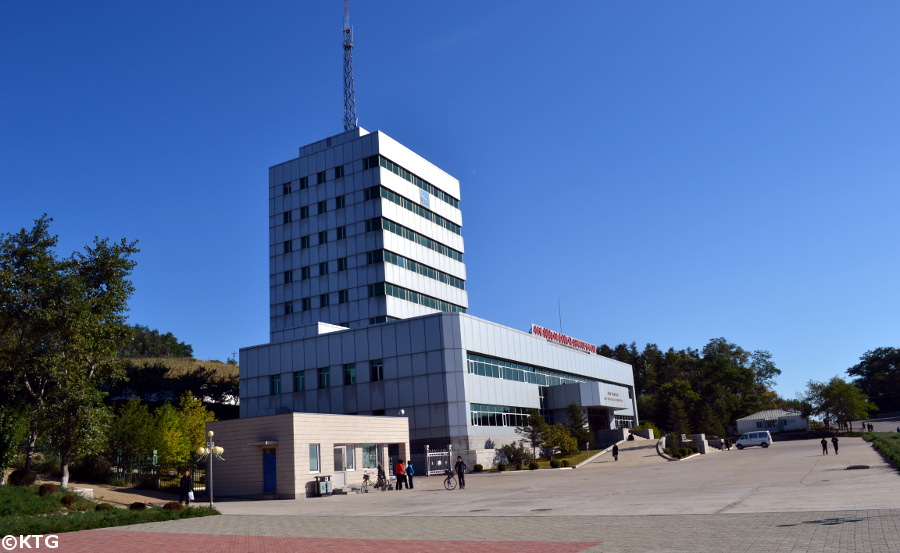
(324, 301)
(507, 370)
(306, 272)
(321, 177)
(376, 160)
(376, 374)
(340, 233)
(388, 289)
(497, 415)
(424, 270)
(624, 422)
(382, 319)
(390, 226)
(388, 194)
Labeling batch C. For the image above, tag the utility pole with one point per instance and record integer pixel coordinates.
(350, 121)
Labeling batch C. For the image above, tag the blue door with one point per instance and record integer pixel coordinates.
(269, 471)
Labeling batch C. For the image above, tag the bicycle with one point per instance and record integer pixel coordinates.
(366, 484)
(450, 481)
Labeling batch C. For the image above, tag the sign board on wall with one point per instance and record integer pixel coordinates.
(562, 339)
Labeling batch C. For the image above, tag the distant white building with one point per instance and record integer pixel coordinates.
(773, 420)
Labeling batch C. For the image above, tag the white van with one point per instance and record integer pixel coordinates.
(749, 439)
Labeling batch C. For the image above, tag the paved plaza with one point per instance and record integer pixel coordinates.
(788, 497)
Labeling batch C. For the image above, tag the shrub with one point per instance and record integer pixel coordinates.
(518, 466)
(173, 506)
(554, 463)
(68, 500)
(533, 465)
(149, 483)
(477, 468)
(516, 453)
(19, 477)
(137, 506)
(565, 462)
(95, 468)
(47, 489)
(501, 467)
(104, 507)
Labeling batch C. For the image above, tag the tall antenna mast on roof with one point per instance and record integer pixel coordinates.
(350, 121)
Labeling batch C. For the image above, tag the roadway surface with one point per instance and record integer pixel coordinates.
(788, 497)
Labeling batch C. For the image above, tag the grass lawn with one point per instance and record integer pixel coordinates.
(23, 511)
(886, 443)
(545, 463)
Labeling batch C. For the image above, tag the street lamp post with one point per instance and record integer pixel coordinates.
(210, 452)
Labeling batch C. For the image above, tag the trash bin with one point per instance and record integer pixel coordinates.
(324, 486)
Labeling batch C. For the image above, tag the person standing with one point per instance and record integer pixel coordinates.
(616, 452)
(409, 475)
(461, 472)
(834, 442)
(187, 488)
(401, 476)
(824, 447)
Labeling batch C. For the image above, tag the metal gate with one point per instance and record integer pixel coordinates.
(438, 461)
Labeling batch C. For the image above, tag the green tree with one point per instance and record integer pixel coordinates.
(533, 430)
(194, 416)
(878, 376)
(133, 432)
(173, 445)
(557, 439)
(150, 343)
(62, 323)
(578, 424)
(838, 401)
(11, 433)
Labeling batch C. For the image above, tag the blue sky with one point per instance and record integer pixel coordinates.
(666, 172)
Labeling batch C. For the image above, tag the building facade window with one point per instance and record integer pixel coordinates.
(349, 374)
(324, 300)
(288, 247)
(286, 188)
(342, 264)
(386, 256)
(304, 183)
(343, 296)
(275, 384)
(288, 308)
(341, 233)
(323, 236)
(324, 377)
(306, 304)
(339, 171)
(340, 202)
(304, 212)
(287, 217)
(304, 242)
(314, 461)
(288, 277)
(497, 415)
(320, 177)
(304, 273)
(388, 289)
(376, 370)
(323, 268)
(413, 236)
(322, 206)
(623, 421)
(299, 381)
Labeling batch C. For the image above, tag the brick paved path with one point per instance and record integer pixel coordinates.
(813, 532)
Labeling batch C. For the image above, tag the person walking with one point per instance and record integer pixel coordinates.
(616, 452)
(187, 488)
(409, 475)
(401, 476)
(824, 447)
(834, 442)
(461, 472)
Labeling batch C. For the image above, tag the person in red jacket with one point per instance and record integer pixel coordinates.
(401, 475)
